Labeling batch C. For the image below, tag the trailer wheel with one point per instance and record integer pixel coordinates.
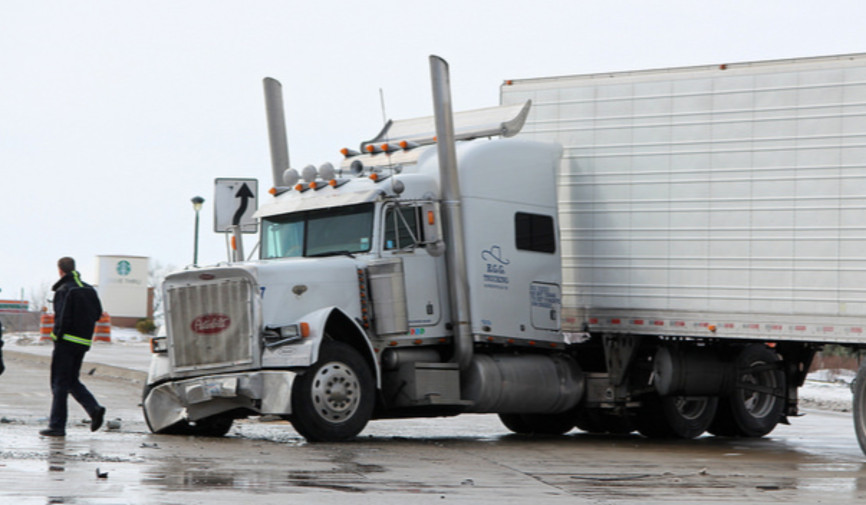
(539, 424)
(756, 405)
(859, 389)
(333, 400)
(676, 416)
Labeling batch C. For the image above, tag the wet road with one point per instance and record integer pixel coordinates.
(469, 459)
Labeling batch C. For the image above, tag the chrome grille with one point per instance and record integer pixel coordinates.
(210, 325)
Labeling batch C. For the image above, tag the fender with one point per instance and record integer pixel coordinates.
(306, 352)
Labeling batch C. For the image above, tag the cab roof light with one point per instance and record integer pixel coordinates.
(279, 190)
(348, 153)
(373, 149)
(390, 148)
(407, 145)
(301, 187)
(379, 176)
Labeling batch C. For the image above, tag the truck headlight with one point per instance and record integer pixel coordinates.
(159, 345)
(281, 335)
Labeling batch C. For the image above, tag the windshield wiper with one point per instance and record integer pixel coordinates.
(332, 253)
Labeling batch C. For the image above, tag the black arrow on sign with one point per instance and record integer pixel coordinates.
(244, 194)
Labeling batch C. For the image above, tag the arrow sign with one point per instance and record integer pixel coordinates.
(244, 194)
(235, 202)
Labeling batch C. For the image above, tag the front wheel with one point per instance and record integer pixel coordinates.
(859, 390)
(333, 400)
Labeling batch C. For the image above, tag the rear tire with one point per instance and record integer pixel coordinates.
(333, 400)
(756, 405)
(539, 424)
(859, 390)
(676, 416)
(599, 421)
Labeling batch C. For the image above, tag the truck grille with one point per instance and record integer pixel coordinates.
(210, 325)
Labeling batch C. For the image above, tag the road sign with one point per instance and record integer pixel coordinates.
(235, 202)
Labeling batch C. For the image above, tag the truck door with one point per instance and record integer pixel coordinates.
(402, 237)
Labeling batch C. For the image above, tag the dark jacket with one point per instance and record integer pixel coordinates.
(76, 311)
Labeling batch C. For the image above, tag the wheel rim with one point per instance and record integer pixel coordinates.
(336, 392)
(757, 403)
(690, 408)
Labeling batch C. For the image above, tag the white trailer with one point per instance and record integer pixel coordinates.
(704, 208)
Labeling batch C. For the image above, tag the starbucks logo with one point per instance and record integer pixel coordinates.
(123, 267)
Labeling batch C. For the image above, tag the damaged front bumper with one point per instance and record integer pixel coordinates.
(262, 392)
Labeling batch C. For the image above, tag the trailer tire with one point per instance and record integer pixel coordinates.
(676, 416)
(333, 400)
(859, 390)
(756, 405)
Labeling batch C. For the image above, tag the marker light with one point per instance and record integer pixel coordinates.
(431, 217)
(372, 149)
(374, 177)
(314, 185)
(305, 330)
(405, 144)
(272, 191)
(348, 152)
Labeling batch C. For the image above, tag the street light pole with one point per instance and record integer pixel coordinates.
(197, 202)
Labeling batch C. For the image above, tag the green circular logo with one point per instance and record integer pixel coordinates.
(123, 267)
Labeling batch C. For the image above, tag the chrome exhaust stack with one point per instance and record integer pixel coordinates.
(452, 214)
(276, 130)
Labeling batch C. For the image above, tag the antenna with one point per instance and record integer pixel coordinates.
(382, 102)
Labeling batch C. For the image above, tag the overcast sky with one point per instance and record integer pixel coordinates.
(113, 114)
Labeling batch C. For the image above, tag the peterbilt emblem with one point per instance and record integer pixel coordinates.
(210, 323)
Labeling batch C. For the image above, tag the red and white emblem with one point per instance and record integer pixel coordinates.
(210, 323)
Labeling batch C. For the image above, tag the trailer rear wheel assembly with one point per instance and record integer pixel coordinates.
(333, 400)
(757, 402)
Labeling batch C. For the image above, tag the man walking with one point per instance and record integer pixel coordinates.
(76, 311)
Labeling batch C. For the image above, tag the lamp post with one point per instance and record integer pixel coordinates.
(197, 201)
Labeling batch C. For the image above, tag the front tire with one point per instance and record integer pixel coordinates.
(333, 400)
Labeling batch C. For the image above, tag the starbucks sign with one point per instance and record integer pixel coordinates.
(123, 267)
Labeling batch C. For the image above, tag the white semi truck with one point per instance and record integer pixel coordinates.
(658, 251)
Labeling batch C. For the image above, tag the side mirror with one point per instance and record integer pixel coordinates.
(433, 239)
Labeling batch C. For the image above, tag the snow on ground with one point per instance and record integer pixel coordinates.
(828, 390)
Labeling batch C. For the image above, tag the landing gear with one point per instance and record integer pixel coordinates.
(676, 416)
(333, 400)
(757, 403)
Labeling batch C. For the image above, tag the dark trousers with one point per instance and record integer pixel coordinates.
(65, 368)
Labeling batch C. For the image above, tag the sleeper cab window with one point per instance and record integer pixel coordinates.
(534, 232)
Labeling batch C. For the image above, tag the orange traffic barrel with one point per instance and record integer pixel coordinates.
(102, 331)
(46, 324)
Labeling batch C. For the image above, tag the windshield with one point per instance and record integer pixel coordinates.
(320, 232)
